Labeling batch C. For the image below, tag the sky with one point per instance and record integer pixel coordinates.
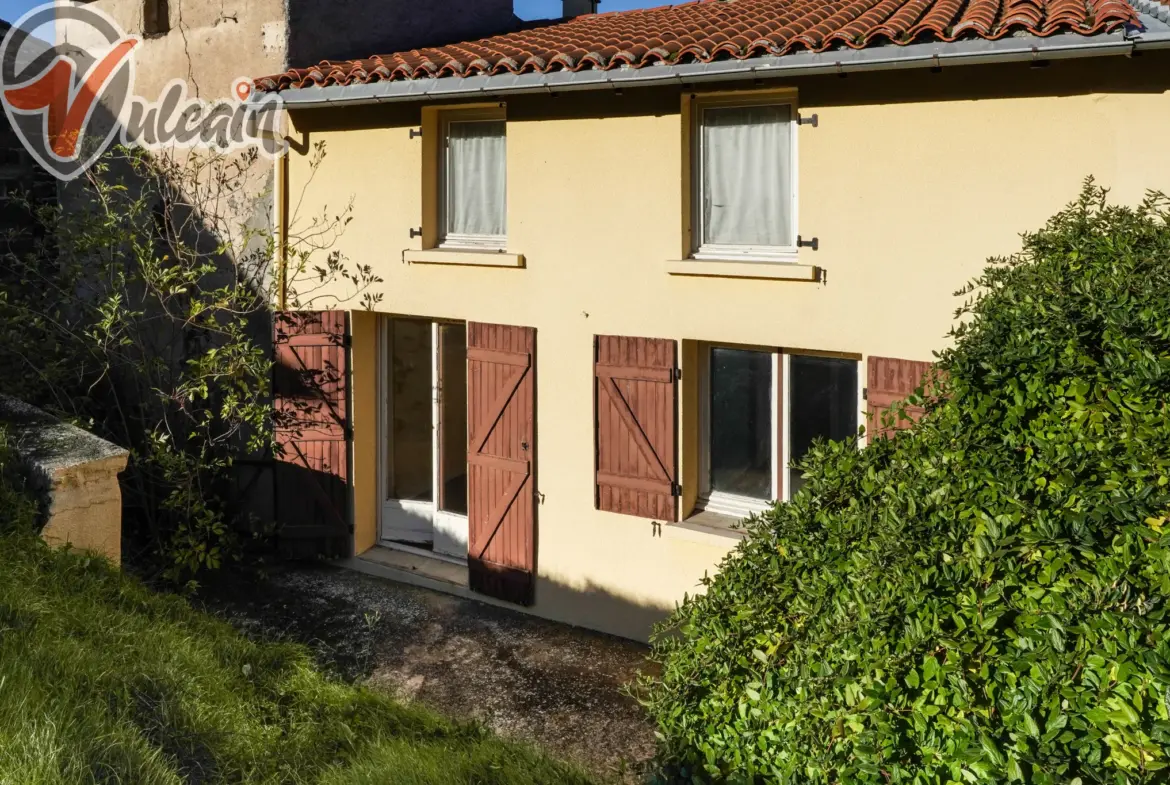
(548, 9)
(11, 10)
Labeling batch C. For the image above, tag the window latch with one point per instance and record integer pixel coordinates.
(814, 243)
(416, 133)
(415, 233)
(813, 120)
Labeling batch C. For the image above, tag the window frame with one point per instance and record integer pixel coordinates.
(860, 405)
(717, 501)
(446, 239)
(742, 506)
(700, 249)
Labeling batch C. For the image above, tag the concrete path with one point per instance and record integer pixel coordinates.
(556, 686)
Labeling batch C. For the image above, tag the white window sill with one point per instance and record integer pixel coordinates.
(708, 528)
(465, 257)
(726, 268)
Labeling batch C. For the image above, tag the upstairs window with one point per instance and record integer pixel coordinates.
(745, 200)
(473, 207)
(156, 17)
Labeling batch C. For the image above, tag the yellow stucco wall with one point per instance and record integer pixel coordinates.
(911, 181)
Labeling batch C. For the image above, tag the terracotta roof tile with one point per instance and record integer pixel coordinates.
(706, 30)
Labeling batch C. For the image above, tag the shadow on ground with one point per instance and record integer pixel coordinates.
(526, 678)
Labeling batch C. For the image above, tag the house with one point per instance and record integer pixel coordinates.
(635, 263)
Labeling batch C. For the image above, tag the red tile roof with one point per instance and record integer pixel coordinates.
(707, 30)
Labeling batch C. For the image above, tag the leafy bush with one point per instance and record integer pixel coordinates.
(983, 598)
(141, 310)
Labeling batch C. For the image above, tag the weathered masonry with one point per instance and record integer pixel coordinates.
(77, 475)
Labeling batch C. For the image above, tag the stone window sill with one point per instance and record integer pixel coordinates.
(466, 258)
(777, 271)
(707, 527)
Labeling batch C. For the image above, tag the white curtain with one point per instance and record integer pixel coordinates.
(747, 177)
(476, 179)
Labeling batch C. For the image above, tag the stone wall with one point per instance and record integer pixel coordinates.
(78, 474)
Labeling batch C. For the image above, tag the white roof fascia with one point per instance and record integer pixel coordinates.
(1156, 35)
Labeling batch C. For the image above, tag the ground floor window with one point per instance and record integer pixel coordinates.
(761, 411)
(822, 403)
(424, 435)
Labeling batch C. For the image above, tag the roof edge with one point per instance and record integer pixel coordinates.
(1156, 35)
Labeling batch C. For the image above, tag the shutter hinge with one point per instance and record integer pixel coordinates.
(865, 394)
(813, 120)
(416, 133)
(347, 340)
(675, 490)
(678, 374)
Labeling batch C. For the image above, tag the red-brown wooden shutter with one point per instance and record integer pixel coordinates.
(636, 426)
(312, 433)
(892, 380)
(501, 403)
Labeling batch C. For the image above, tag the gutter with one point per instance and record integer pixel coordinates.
(889, 57)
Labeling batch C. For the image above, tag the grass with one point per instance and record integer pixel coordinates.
(104, 681)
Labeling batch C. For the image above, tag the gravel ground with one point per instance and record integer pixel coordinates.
(530, 679)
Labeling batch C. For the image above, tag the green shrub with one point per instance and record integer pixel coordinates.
(984, 598)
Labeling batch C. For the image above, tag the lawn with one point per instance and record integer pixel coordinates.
(103, 680)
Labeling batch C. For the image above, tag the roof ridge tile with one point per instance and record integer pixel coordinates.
(706, 30)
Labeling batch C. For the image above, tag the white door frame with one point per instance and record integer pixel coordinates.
(452, 531)
(447, 532)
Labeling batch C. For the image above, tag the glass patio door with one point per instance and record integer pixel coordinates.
(424, 436)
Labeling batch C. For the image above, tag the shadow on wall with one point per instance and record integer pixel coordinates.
(311, 460)
(595, 608)
(194, 216)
